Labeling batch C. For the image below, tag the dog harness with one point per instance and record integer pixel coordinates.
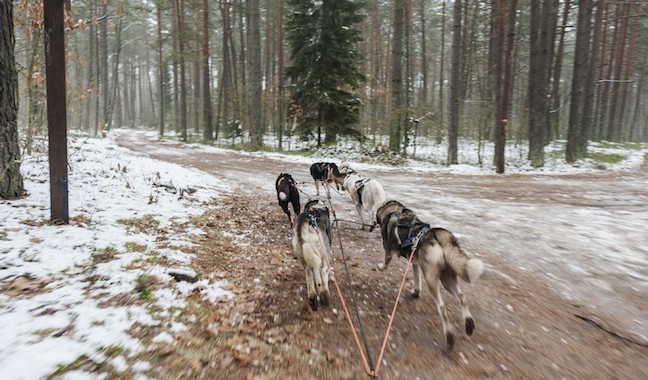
(415, 230)
(360, 183)
(312, 220)
(358, 188)
(291, 181)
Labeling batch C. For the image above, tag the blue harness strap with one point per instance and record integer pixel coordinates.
(312, 220)
(416, 230)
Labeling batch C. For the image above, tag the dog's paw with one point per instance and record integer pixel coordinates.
(416, 293)
(325, 299)
(314, 304)
(450, 339)
(470, 326)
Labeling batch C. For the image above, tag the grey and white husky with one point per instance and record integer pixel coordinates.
(312, 245)
(436, 253)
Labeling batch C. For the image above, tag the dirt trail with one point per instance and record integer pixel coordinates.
(528, 324)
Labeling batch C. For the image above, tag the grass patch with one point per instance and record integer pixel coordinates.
(606, 158)
(104, 255)
(618, 145)
(134, 247)
(145, 224)
(3, 235)
(82, 362)
(142, 287)
(113, 351)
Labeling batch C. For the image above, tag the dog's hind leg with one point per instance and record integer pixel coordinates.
(318, 270)
(388, 257)
(360, 214)
(325, 295)
(449, 280)
(327, 188)
(416, 271)
(431, 274)
(310, 288)
(284, 206)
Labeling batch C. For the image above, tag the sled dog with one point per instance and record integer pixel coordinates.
(312, 245)
(437, 255)
(287, 193)
(324, 173)
(367, 195)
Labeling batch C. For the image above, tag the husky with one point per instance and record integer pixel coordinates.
(287, 193)
(366, 193)
(312, 245)
(436, 253)
(324, 173)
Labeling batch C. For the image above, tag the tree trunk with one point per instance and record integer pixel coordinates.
(280, 75)
(160, 71)
(56, 110)
(614, 127)
(254, 64)
(556, 99)
(115, 74)
(397, 90)
(455, 73)
(103, 68)
(580, 76)
(500, 137)
(538, 81)
(638, 97)
(424, 62)
(440, 128)
(591, 83)
(11, 181)
(183, 77)
(625, 77)
(176, 67)
(208, 132)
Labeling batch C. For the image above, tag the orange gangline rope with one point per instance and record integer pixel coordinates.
(365, 362)
(367, 368)
(391, 318)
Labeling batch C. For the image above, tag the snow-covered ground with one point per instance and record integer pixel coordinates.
(60, 284)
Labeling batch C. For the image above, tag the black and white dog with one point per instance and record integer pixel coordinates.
(436, 253)
(287, 192)
(324, 173)
(312, 246)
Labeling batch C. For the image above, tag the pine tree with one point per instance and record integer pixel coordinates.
(11, 181)
(325, 70)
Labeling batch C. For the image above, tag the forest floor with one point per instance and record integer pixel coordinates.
(544, 308)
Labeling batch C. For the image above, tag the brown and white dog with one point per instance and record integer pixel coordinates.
(312, 245)
(436, 253)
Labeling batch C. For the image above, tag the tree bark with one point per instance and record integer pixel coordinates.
(254, 64)
(56, 110)
(576, 130)
(183, 77)
(11, 181)
(160, 71)
(455, 73)
(208, 131)
(397, 90)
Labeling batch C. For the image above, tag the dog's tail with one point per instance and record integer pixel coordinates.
(469, 269)
(283, 196)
